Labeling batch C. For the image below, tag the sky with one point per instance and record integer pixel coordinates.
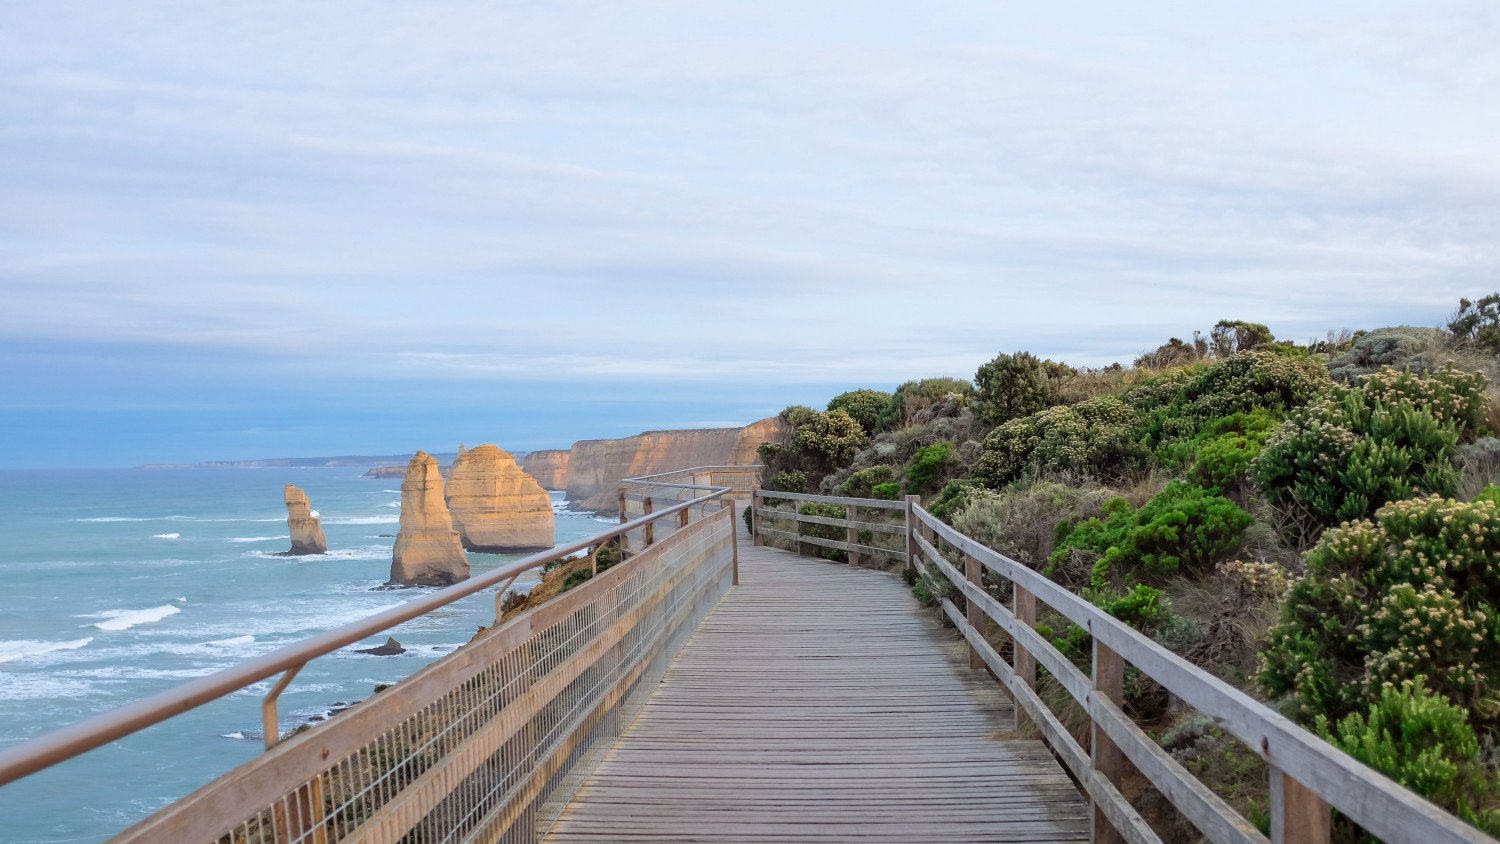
(267, 229)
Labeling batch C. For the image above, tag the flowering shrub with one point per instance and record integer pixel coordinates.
(1179, 406)
(1182, 527)
(1412, 593)
(1095, 438)
(864, 405)
(830, 439)
(861, 484)
(1392, 437)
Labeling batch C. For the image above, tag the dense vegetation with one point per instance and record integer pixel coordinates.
(1316, 523)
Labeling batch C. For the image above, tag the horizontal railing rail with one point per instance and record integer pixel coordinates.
(1307, 774)
(640, 496)
(806, 530)
(473, 743)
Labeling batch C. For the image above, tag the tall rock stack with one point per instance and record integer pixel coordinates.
(306, 530)
(497, 508)
(428, 551)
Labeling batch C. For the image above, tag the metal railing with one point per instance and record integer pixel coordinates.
(1307, 775)
(648, 494)
(485, 742)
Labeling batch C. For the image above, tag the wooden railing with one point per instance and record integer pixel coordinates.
(1307, 775)
(486, 743)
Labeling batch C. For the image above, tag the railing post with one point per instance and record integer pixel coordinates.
(1023, 605)
(734, 538)
(851, 536)
(1298, 814)
(974, 574)
(650, 534)
(755, 504)
(1109, 681)
(624, 517)
(682, 517)
(911, 527)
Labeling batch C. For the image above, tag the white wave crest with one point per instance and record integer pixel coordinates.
(365, 552)
(15, 649)
(256, 538)
(365, 520)
(166, 536)
(116, 620)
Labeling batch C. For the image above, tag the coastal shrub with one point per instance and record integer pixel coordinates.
(1399, 347)
(954, 497)
(830, 439)
(796, 415)
(1183, 528)
(1477, 322)
(1012, 386)
(1095, 439)
(864, 405)
(912, 397)
(928, 465)
(1391, 437)
(1413, 592)
(886, 492)
(862, 484)
(827, 511)
(788, 481)
(1174, 353)
(1271, 380)
(1425, 743)
(1140, 606)
(1022, 523)
(1221, 454)
(1231, 336)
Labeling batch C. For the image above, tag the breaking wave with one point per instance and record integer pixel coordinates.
(116, 620)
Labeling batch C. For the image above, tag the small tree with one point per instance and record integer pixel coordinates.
(864, 405)
(1477, 323)
(1012, 386)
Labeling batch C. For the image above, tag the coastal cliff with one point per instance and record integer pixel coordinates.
(549, 467)
(428, 551)
(306, 530)
(497, 508)
(596, 467)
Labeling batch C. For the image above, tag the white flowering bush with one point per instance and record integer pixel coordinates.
(1096, 438)
(1412, 593)
(1392, 437)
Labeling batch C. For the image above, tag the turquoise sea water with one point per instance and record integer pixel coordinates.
(121, 583)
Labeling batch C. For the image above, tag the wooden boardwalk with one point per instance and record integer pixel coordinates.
(815, 703)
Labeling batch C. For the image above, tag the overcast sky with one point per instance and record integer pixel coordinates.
(256, 229)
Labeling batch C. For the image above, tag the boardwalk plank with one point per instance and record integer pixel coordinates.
(815, 703)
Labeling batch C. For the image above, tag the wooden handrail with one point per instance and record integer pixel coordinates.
(1308, 774)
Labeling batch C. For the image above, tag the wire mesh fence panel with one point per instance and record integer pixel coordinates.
(478, 745)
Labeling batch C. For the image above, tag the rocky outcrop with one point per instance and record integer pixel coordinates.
(306, 530)
(428, 551)
(549, 467)
(386, 472)
(596, 467)
(497, 508)
(390, 648)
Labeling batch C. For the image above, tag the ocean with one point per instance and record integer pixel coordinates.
(122, 583)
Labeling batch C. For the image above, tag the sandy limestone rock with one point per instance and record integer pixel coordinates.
(306, 530)
(498, 508)
(428, 551)
(549, 467)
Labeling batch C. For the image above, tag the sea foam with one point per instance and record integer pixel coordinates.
(15, 649)
(166, 536)
(116, 620)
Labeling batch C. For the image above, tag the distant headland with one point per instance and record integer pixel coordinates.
(351, 461)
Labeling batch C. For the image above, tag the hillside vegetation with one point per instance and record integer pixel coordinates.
(1315, 523)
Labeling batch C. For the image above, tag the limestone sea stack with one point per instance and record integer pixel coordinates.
(306, 530)
(549, 467)
(428, 551)
(498, 508)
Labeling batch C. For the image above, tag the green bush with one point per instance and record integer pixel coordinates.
(788, 481)
(864, 405)
(862, 484)
(1012, 386)
(886, 492)
(1477, 322)
(830, 439)
(1183, 528)
(1392, 437)
(914, 396)
(1179, 406)
(1222, 453)
(1414, 592)
(1140, 607)
(1095, 438)
(1425, 743)
(953, 498)
(827, 511)
(928, 465)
